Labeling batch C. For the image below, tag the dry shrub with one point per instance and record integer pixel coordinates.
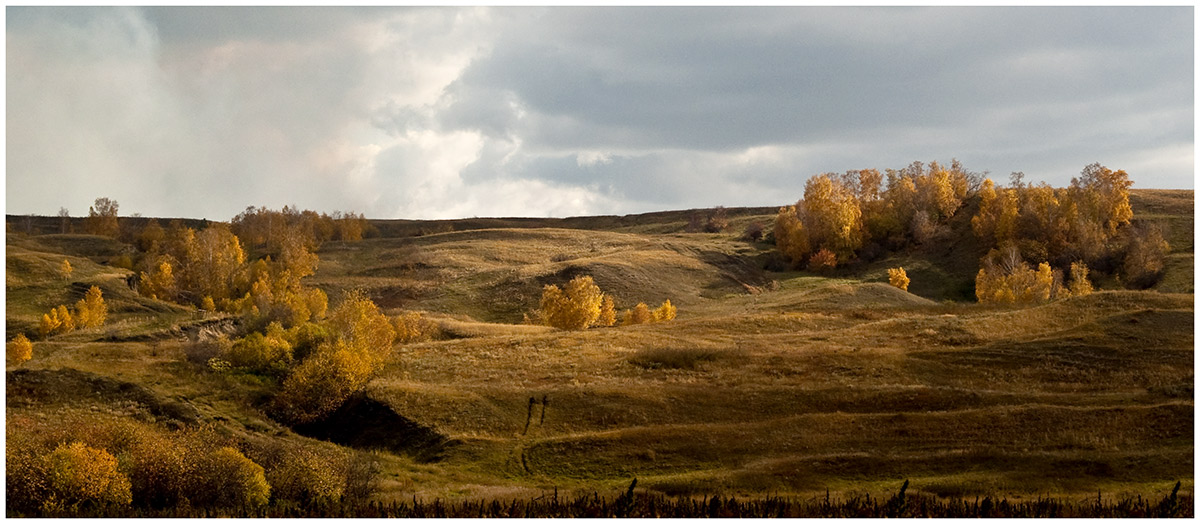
(414, 327)
(821, 261)
(717, 220)
(1145, 256)
(19, 349)
(753, 232)
(675, 358)
(302, 474)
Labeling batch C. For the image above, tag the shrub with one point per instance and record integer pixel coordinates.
(640, 314)
(262, 353)
(65, 269)
(78, 475)
(48, 324)
(19, 349)
(323, 381)
(303, 474)
(66, 322)
(1145, 256)
(414, 327)
(229, 479)
(822, 260)
(753, 232)
(358, 321)
(898, 278)
(717, 220)
(577, 306)
(306, 337)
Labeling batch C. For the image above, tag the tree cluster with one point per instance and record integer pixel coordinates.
(1085, 225)
(90, 311)
(840, 214)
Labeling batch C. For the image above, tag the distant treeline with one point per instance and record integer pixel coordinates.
(641, 505)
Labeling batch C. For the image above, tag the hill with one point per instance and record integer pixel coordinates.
(768, 382)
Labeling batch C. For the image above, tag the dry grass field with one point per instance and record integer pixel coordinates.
(782, 383)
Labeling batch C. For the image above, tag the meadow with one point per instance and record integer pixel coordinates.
(781, 385)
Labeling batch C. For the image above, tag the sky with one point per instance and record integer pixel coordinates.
(568, 111)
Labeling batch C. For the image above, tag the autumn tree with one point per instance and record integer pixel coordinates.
(608, 312)
(19, 349)
(791, 238)
(91, 311)
(102, 218)
(338, 369)
(1145, 254)
(1102, 195)
(665, 312)
(821, 261)
(151, 238)
(412, 326)
(640, 314)
(1079, 285)
(65, 269)
(831, 212)
(1006, 279)
(576, 306)
(898, 278)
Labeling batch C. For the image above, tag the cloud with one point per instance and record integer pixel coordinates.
(441, 112)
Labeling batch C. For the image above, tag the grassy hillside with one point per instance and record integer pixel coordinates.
(767, 382)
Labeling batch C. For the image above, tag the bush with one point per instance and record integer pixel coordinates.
(898, 278)
(19, 349)
(303, 474)
(229, 479)
(1019, 285)
(78, 475)
(753, 232)
(640, 314)
(261, 353)
(1079, 284)
(414, 327)
(664, 312)
(821, 261)
(577, 306)
(324, 381)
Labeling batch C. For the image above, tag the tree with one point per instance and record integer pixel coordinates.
(102, 218)
(664, 312)
(19, 349)
(91, 311)
(833, 216)
(66, 322)
(79, 475)
(1079, 285)
(151, 237)
(65, 269)
(1102, 195)
(49, 324)
(608, 312)
(160, 284)
(640, 314)
(898, 278)
(64, 220)
(577, 306)
(791, 238)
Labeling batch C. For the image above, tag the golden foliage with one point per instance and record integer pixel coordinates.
(65, 269)
(575, 307)
(19, 349)
(49, 324)
(833, 216)
(664, 312)
(77, 474)
(1079, 284)
(91, 311)
(1017, 284)
(66, 322)
(323, 381)
(640, 314)
(608, 312)
(898, 278)
(229, 479)
(159, 284)
(791, 238)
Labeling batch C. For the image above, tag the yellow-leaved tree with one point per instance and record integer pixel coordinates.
(65, 269)
(791, 238)
(576, 306)
(91, 311)
(340, 368)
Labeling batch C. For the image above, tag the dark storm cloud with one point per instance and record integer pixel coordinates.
(424, 112)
